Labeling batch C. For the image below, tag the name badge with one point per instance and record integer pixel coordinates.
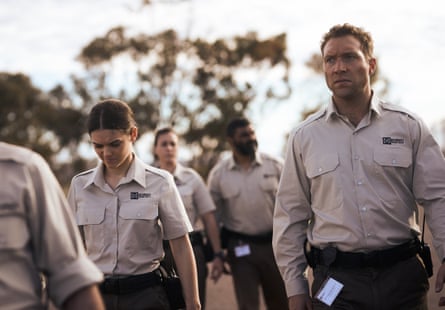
(242, 250)
(328, 291)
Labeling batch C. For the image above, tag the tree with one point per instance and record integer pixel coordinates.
(195, 86)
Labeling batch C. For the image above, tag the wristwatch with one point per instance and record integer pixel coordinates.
(220, 255)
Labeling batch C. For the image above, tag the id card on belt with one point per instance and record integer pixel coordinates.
(328, 291)
(242, 250)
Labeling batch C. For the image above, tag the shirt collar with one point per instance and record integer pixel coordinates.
(136, 173)
(257, 161)
(178, 174)
(375, 107)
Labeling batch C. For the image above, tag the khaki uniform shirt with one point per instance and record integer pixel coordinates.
(245, 199)
(37, 235)
(123, 228)
(357, 188)
(194, 194)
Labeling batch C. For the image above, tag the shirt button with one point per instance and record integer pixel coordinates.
(320, 169)
(359, 182)
(394, 161)
(363, 209)
(139, 215)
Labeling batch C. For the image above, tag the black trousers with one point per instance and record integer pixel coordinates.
(401, 286)
(151, 298)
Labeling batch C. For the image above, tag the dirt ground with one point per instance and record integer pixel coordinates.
(220, 295)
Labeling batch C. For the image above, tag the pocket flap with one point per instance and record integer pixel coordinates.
(139, 212)
(321, 164)
(88, 216)
(393, 157)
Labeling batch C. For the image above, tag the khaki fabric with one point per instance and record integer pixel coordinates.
(37, 235)
(357, 188)
(194, 194)
(245, 199)
(123, 228)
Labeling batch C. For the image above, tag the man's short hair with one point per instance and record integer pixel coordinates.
(236, 123)
(338, 31)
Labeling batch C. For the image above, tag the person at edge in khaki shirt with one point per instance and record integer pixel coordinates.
(38, 237)
(354, 175)
(124, 208)
(243, 187)
(198, 205)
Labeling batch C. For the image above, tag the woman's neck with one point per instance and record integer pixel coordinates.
(170, 166)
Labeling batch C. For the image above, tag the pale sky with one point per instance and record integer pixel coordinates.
(41, 38)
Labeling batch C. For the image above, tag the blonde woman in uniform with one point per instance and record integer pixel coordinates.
(119, 206)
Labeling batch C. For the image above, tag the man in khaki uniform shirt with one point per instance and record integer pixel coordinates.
(353, 175)
(38, 236)
(243, 187)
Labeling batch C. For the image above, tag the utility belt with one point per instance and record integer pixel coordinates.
(332, 257)
(227, 234)
(118, 285)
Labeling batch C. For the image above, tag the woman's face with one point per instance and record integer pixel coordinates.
(166, 148)
(114, 147)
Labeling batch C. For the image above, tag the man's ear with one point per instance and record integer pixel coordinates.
(372, 66)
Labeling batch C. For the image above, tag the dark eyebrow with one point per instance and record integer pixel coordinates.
(112, 142)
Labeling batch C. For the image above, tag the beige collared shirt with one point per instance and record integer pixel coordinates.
(245, 198)
(194, 194)
(123, 228)
(357, 188)
(37, 234)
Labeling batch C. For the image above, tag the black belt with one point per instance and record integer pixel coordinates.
(331, 256)
(127, 284)
(261, 238)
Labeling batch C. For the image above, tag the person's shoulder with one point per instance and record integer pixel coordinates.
(271, 158)
(84, 174)
(156, 172)
(396, 108)
(188, 172)
(309, 121)
(20, 155)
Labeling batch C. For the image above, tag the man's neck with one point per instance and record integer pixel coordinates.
(353, 109)
(244, 161)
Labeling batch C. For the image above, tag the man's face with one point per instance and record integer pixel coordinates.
(347, 70)
(244, 141)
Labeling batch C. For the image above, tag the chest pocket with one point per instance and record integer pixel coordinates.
(90, 216)
(269, 182)
(143, 210)
(322, 164)
(229, 190)
(14, 232)
(393, 157)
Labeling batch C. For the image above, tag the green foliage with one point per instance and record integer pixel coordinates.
(195, 86)
(44, 122)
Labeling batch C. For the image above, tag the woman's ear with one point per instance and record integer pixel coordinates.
(133, 134)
